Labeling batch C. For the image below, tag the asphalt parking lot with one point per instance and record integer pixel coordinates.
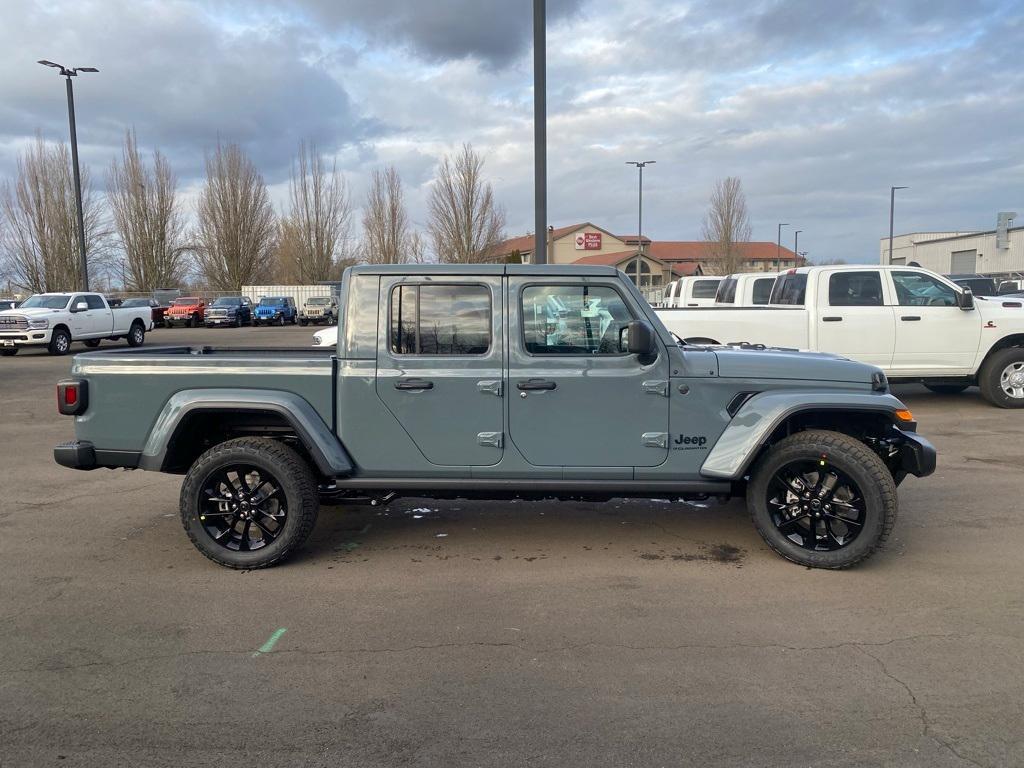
(498, 634)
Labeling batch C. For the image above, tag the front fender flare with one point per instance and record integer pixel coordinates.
(324, 447)
(760, 415)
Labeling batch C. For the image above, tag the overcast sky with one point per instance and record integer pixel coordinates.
(817, 105)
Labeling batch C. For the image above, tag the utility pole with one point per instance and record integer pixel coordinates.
(796, 244)
(540, 134)
(640, 165)
(778, 243)
(892, 213)
(67, 74)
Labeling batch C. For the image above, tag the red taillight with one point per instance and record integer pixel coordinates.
(72, 396)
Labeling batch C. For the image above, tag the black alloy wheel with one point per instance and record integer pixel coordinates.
(816, 506)
(242, 507)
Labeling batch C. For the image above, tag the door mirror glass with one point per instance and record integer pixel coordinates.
(640, 338)
(965, 299)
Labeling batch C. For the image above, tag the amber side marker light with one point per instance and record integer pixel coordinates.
(904, 415)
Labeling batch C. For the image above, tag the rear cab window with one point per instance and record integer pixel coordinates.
(762, 291)
(726, 291)
(790, 290)
(705, 289)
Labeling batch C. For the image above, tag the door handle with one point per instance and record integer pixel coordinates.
(531, 385)
(832, 319)
(909, 318)
(414, 384)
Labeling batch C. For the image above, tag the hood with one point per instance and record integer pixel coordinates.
(774, 363)
(184, 307)
(30, 312)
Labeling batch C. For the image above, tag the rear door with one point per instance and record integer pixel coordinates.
(933, 335)
(853, 318)
(99, 318)
(576, 399)
(440, 369)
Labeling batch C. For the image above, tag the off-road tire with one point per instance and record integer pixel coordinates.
(298, 485)
(303, 323)
(988, 377)
(946, 389)
(56, 346)
(9, 352)
(92, 343)
(136, 334)
(853, 458)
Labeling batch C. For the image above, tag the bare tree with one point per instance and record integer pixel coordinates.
(316, 229)
(237, 229)
(465, 223)
(39, 241)
(727, 225)
(148, 219)
(387, 236)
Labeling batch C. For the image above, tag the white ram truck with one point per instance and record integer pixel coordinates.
(914, 324)
(692, 291)
(745, 289)
(55, 320)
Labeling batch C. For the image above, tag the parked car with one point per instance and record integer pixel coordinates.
(693, 291)
(153, 304)
(56, 320)
(912, 323)
(530, 359)
(187, 311)
(328, 337)
(319, 309)
(230, 310)
(747, 289)
(979, 284)
(9, 304)
(275, 310)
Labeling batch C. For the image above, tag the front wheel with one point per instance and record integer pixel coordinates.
(9, 351)
(137, 335)
(249, 503)
(280, 321)
(60, 342)
(1002, 378)
(822, 499)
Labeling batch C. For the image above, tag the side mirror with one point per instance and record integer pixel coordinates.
(640, 338)
(965, 299)
(80, 307)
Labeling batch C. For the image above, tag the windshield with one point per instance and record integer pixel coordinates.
(47, 302)
(187, 302)
(227, 301)
(274, 302)
(319, 300)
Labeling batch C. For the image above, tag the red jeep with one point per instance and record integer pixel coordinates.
(189, 310)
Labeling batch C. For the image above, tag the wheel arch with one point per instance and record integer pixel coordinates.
(1013, 340)
(192, 421)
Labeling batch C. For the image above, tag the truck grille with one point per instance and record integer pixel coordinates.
(13, 323)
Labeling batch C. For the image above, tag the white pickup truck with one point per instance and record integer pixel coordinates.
(692, 291)
(55, 320)
(745, 289)
(914, 324)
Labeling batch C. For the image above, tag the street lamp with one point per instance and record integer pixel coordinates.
(892, 211)
(778, 243)
(640, 165)
(796, 244)
(540, 134)
(67, 74)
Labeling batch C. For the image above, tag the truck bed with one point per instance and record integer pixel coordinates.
(779, 326)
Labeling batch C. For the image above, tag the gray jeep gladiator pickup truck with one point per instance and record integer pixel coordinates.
(499, 381)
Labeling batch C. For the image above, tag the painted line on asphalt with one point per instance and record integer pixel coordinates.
(268, 646)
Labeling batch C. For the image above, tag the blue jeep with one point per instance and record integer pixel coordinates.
(275, 310)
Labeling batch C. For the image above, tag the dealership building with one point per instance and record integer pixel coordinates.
(998, 252)
(661, 261)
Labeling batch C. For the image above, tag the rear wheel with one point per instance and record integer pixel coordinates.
(946, 389)
(137, 335)
(60, 342)
(248, 503)
(1002, 378)
(822, 499)
(92, 343)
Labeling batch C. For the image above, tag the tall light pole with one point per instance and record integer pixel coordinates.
(892, 212)
(778, 243)
(640, 165)
(540, 135)
(796, 245)
(67, 74)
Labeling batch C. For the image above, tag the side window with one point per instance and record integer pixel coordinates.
(440, 319)
(726, 291)
(574, 320)
(790, 290)
(916, 289)
(763, 289)
(855, 289)
(94, 301)
(705, 289)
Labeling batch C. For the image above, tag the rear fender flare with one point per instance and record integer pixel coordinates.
(324, 447)
(755, 422)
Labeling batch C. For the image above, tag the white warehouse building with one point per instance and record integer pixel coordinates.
(998, 252)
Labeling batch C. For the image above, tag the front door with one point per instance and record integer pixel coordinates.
(440, 370)
(576, 398)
